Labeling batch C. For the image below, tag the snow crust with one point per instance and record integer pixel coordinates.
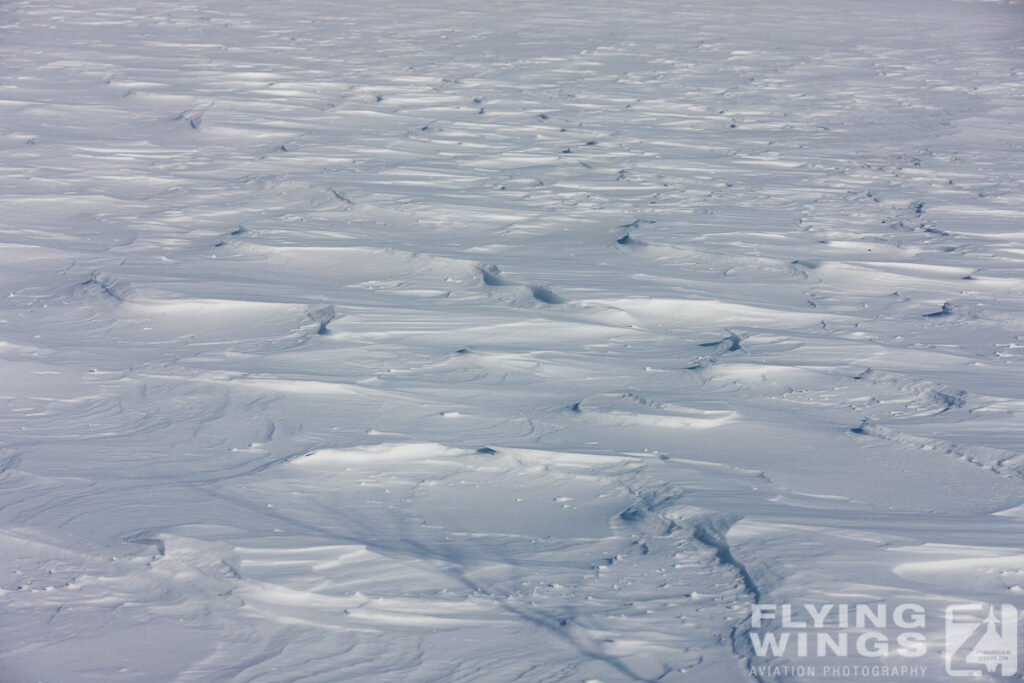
(433, 341)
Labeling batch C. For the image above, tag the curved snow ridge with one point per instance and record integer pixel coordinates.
(217, 308)
(714, 313)
(358, 264)
(23, 350)
(228, 321)
(629, 408)
(261, 382)
(898, 396)
(993, 570)
(281, 385)
(419, 612)
(1004, 462)
(700, 419)
(735, 266)
(522, 294)
(265, 383)
(396, 269)
(566, 462)
(383, 452)
(140, 315)
(313, 607)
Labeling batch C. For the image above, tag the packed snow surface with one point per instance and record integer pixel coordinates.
(442, 341)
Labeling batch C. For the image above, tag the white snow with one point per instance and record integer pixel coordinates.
(435, 341)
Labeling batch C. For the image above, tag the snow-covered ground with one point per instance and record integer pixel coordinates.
(432, 341)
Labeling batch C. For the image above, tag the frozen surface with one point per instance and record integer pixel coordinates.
(415, 341)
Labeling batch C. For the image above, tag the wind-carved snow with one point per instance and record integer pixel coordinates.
(435, 342)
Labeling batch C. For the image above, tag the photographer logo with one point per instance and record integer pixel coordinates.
(981, 639)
